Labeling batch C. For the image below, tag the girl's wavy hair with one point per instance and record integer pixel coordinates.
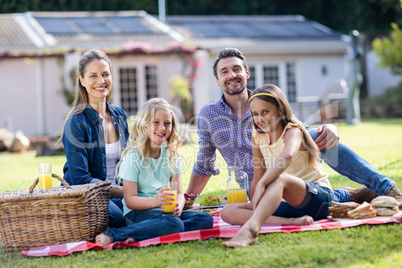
(81, 94)
(280, 101)
(139, 139)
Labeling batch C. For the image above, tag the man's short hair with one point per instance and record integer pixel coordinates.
(227, 53)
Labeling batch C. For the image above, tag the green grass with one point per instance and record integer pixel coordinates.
(378, 141)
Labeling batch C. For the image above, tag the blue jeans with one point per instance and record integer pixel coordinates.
(315, 204)
(346, 162)
(149, 223)
(116, 219)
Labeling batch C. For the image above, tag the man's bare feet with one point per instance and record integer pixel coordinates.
(304, 220)
(103, 240)
(245, 236)
(129, 240)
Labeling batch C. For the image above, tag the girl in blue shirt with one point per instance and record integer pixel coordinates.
(148, 163)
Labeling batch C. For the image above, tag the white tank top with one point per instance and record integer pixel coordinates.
(113, 153)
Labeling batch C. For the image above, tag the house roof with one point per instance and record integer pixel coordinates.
(58, 32)
(104, 29)
(12, 37)
(54, 33)
(257, 27)
(268, 32)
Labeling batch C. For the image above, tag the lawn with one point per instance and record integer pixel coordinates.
(378, 141)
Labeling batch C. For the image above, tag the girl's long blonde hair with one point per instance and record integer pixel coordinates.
(280, 101)
(139, 139)
(81, 94)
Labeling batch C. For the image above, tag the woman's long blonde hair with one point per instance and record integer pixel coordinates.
(280, 101)
(81, 94)
(139, 139)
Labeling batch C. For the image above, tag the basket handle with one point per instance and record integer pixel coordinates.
(54, 176)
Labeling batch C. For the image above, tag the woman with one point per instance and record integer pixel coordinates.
(95, 132)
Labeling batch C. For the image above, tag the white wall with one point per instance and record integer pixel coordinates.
(379, 79)
(168, 67)
(55, 109)
(202, 87)
(30, 95)
(310, 77)
(18, 89)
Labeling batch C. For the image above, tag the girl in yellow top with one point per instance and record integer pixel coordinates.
(286, 165)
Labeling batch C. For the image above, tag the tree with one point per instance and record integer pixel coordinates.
(366, 16)
(390, 50)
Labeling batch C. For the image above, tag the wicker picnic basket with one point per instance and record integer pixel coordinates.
(33, 218)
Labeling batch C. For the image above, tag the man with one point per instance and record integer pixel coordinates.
(226, 124)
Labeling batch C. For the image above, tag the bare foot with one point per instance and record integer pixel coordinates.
(103, 240)
(304, 220)
(129, 240)
(245, 236)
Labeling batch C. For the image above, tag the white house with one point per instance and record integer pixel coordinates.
(301, 56)
(37, 49)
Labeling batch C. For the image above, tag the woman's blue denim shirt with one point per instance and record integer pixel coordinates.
(84, 144)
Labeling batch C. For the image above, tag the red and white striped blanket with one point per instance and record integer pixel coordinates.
(220, 229)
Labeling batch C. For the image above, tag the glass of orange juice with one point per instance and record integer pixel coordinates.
(168, 210)
(236, 185)
(45, 176)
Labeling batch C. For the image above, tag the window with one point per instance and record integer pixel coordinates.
(271, 75)
(129, 90)
(151, 82)
(251, 81)
(137, 85)
(281, 74)
(291, 82)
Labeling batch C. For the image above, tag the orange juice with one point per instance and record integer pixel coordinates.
(169, 209)
(45, 181)
(237, 196)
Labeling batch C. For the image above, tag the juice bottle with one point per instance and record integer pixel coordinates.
(236, 185)
(237, 196)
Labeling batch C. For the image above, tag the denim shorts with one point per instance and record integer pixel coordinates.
(315, 204)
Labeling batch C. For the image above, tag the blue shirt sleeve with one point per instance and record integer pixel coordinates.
(76, 146)
(205, 162)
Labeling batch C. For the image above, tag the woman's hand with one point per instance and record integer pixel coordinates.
(328, 136)
(117, 191)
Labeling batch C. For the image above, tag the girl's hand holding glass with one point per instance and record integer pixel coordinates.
(161, 196)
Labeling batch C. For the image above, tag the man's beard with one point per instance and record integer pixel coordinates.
(231, 93)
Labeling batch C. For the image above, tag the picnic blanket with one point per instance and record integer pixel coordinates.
(220, 229)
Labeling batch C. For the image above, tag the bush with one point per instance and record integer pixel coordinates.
(389, 104)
